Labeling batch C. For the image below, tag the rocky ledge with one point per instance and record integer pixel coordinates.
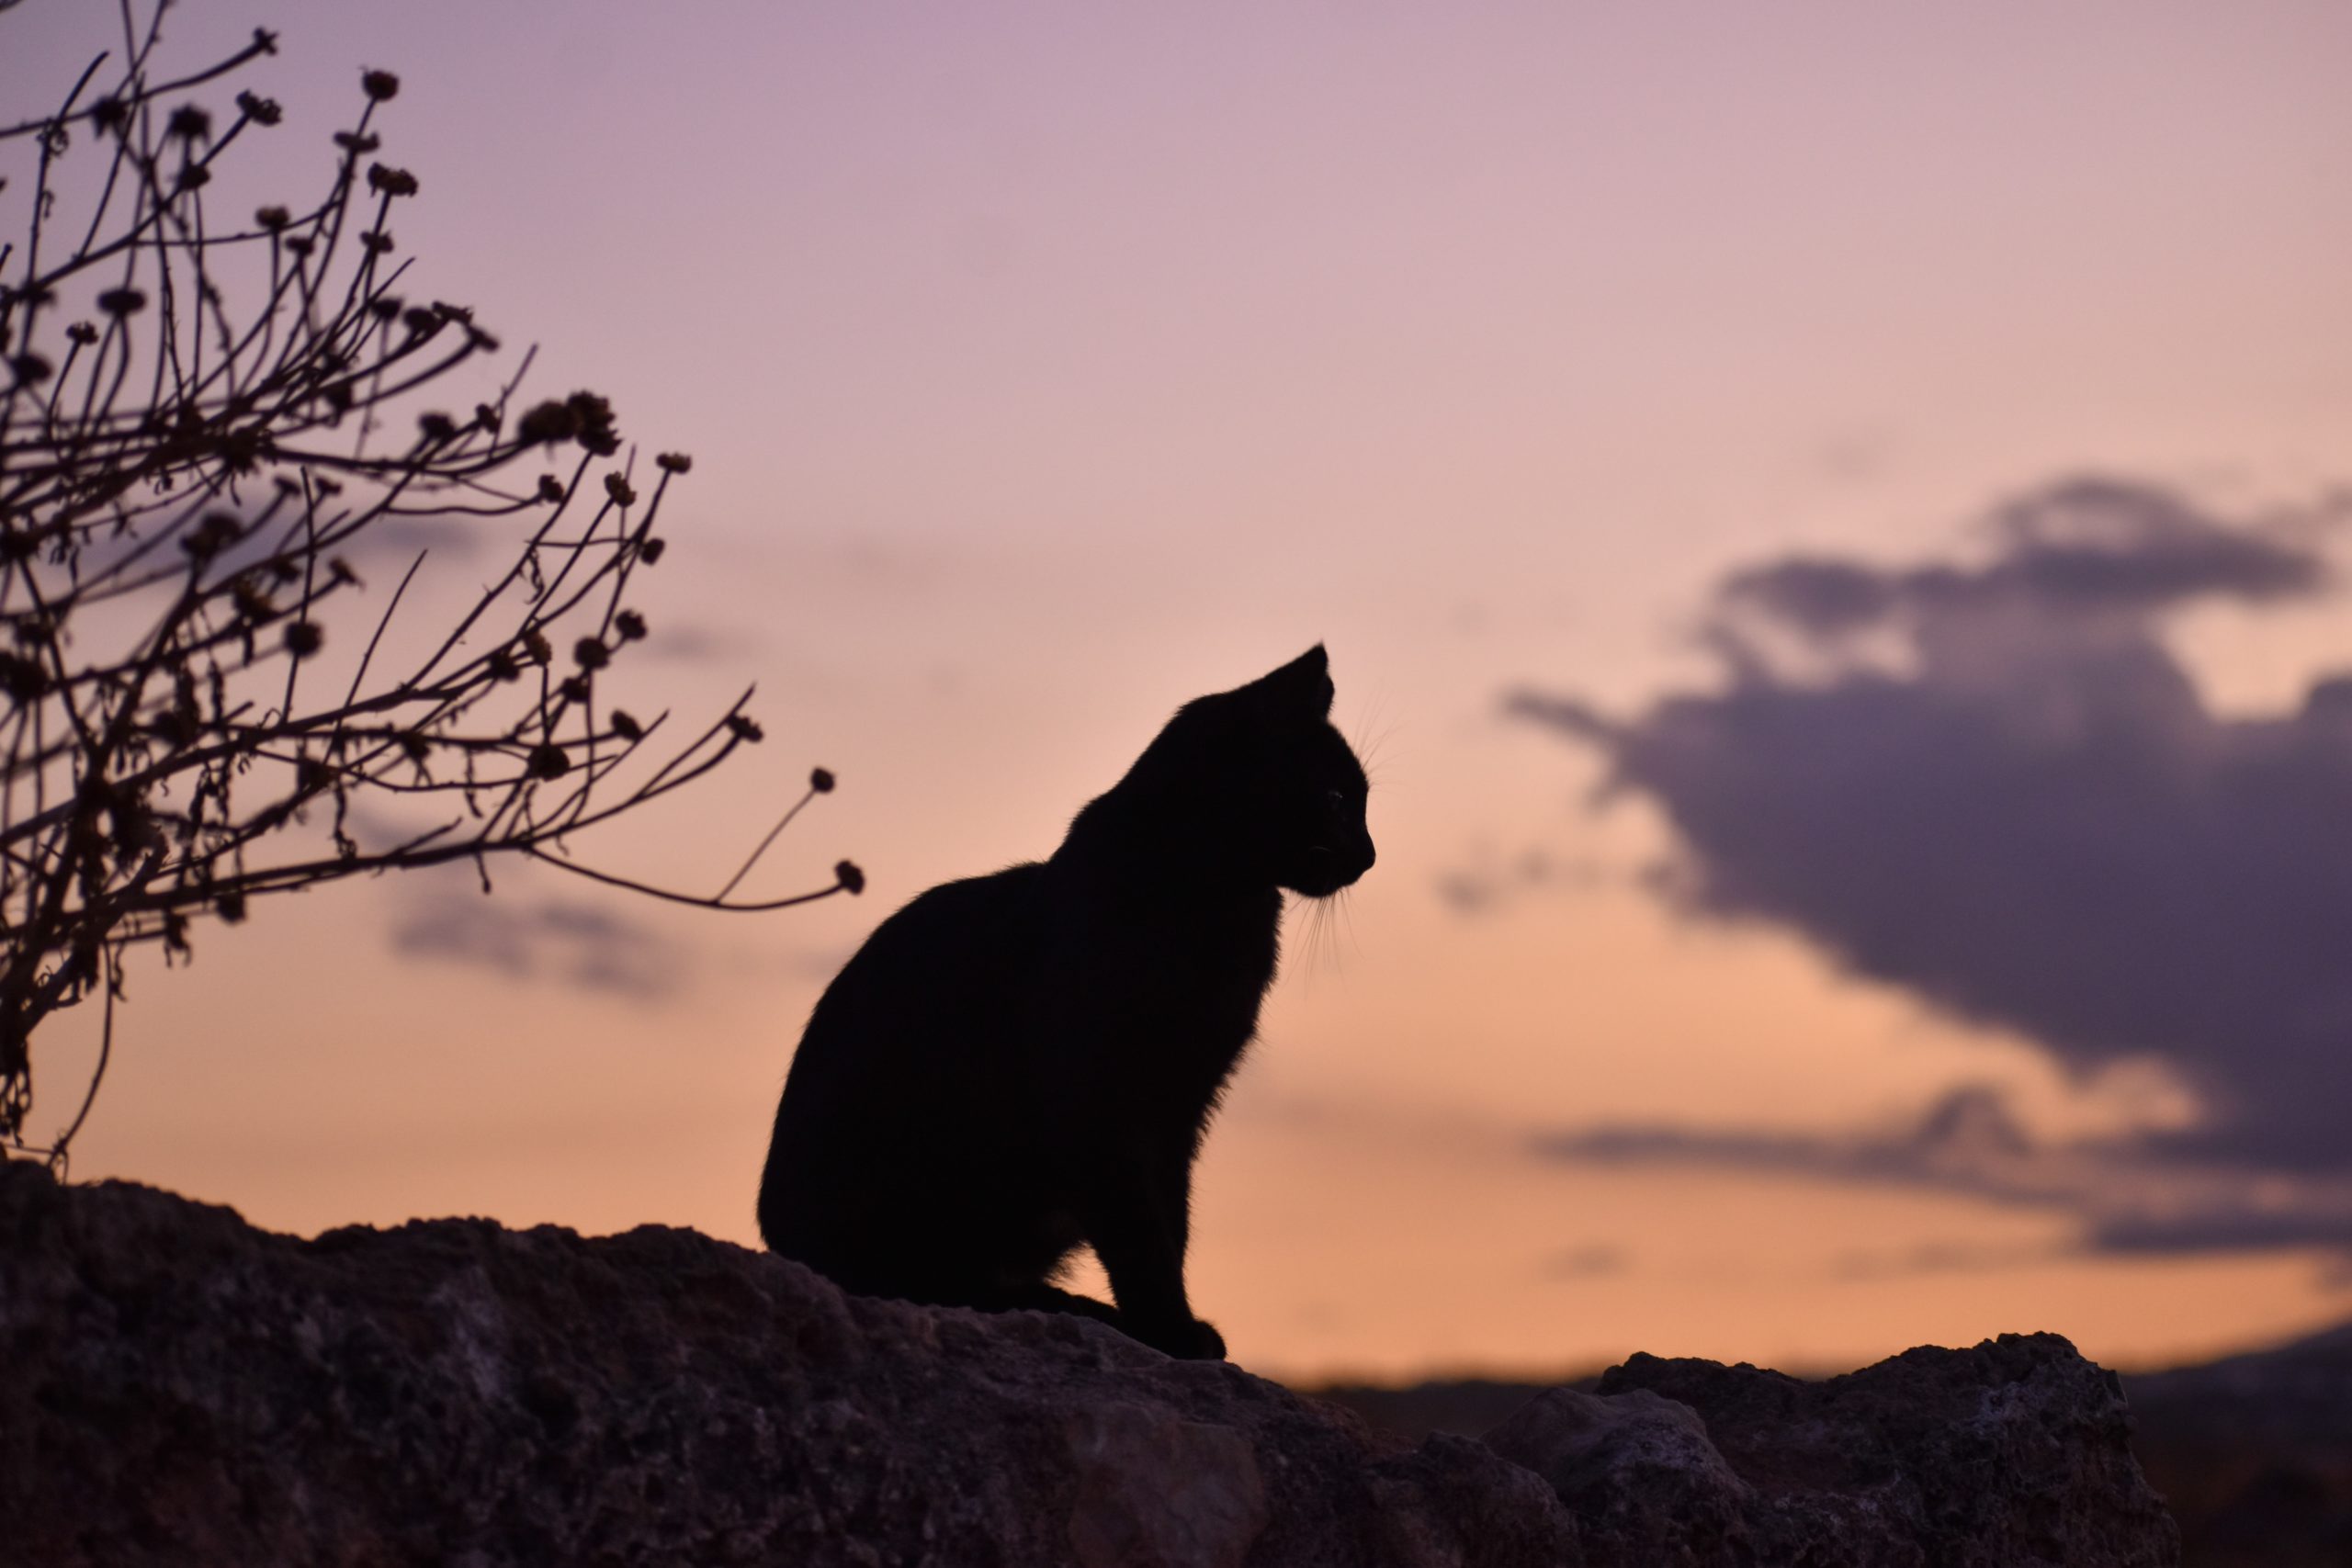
(178, 1387)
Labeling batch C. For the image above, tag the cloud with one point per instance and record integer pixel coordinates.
(1944, 1258)
(2263, 1218)
(1482, 884)
(1584, 1263)
(1858, 454)
(565, 941)
(700, 643)
(1993, 784)
(1967, 1141)
(390, 542)
(2127, 1196)
(2085, 545)
(387, 542)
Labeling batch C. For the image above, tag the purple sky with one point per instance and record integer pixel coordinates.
(1046, 366)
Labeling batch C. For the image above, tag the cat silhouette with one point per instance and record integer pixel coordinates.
(1018, 1064)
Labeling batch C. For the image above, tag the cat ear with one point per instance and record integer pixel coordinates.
(1302, 685)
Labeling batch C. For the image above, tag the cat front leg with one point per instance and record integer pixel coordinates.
(1136, 1220)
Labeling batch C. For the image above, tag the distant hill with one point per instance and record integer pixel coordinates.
(2254, 1453)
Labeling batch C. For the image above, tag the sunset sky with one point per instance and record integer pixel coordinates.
(1826, 520)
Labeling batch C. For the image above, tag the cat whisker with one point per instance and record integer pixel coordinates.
(1364, 730)
(1325, 947)
(1372, 739)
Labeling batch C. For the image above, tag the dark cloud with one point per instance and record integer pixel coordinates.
(1943, 1258)
(2127, 1196)
(2092, 545)
(2318, 1216)
(561, 940)
(1993, 786)
(1968, 1141)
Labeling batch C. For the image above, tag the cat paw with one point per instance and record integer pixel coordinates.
(1193, 1340)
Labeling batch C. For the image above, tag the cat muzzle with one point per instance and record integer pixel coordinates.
(1329, 869)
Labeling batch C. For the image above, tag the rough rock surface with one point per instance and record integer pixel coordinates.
(2015, 1453)
(178, 1387)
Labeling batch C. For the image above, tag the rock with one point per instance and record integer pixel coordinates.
(1156, 1492)
(178, 1387)
(1634, 1470)
(2015, 1454)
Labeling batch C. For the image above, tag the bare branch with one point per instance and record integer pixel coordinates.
(202, 427)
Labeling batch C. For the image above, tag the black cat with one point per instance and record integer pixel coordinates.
(1016, 1064)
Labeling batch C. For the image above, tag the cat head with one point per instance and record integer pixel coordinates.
(1267, 790)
